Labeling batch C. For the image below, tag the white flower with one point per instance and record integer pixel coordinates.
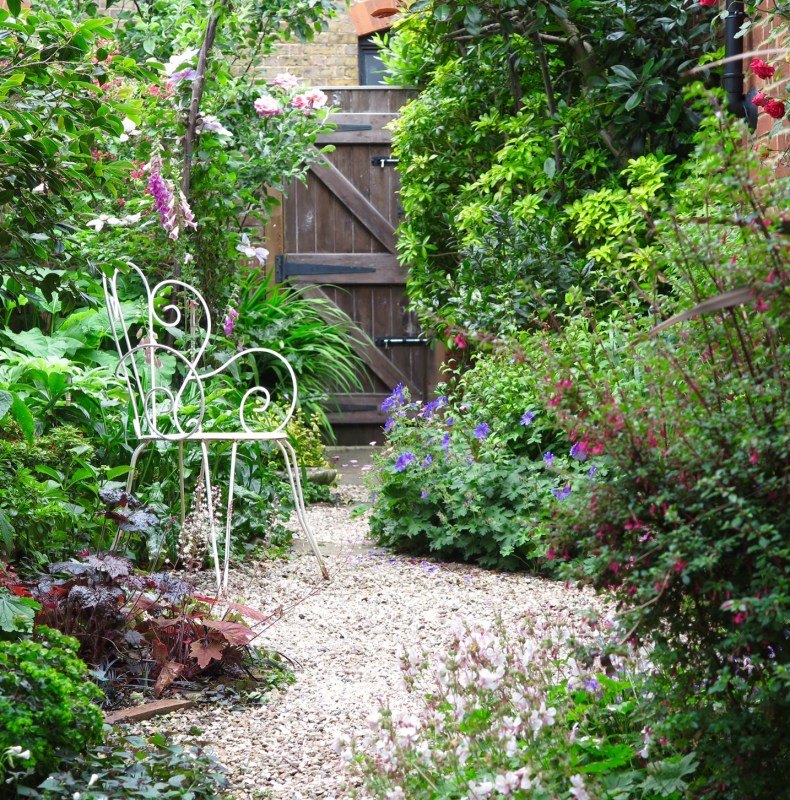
(578, 790)
(187, 58)
(93, 779)
(481, 790)
(210, 124)
(261, 253)
(129, 128)
(40, 189)
(102, 220)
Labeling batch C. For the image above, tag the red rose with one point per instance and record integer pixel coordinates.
(761, 69)
(759, 99)
(775, 108)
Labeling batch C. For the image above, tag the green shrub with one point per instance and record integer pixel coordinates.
(470, 478)
(47, 494)
(46, 700)
(132, 768)
(691, 530)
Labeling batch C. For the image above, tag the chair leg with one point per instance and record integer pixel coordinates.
(292, 468)
(138, 451)
(210, 507)
(229, 515)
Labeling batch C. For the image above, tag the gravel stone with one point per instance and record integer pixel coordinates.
(345, 638)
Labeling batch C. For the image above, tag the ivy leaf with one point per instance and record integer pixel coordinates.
(206, 651)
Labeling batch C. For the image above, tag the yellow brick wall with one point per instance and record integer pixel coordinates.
(329, 60)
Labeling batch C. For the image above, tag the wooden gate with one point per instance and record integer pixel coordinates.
(339, 234)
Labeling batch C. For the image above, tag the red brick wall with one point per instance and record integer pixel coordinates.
(775, 35)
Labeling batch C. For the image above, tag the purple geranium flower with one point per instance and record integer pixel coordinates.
(590, 684)
(449, 421)
(446, 442)
(578, 452)
(395, 400)
(482, 430)
(593, 470)
(404, 459)
(561, 494)
(428, 460)
(528, 417)
(548, 459)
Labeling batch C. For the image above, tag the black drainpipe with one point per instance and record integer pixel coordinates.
(738, 104)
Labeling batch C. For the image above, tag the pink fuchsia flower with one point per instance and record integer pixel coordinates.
(459, 341)
(708, 2)
(268, 106)
(759, 99)
(775, 108)
(761, 69)
(230, 321)
(286, 81)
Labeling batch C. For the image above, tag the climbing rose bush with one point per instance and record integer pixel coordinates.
(514, 713)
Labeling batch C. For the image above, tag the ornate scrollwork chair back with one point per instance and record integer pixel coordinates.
(174, 410)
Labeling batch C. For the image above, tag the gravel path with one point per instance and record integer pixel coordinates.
(346, 637)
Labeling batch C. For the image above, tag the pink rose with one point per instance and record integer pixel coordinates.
(761, 69)
(286, 81)
(267, 106)
(775, 108)
(316, 98)
(311, 100)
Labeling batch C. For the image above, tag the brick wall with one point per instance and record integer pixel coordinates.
(329, 60)
(779, 158)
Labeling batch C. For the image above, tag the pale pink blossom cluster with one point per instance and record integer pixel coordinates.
(309, 101)
(490, 720)
(269, 105)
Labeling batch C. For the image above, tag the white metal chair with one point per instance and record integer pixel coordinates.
(162, 412)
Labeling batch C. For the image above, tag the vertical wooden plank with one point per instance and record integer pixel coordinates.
(343, 221)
